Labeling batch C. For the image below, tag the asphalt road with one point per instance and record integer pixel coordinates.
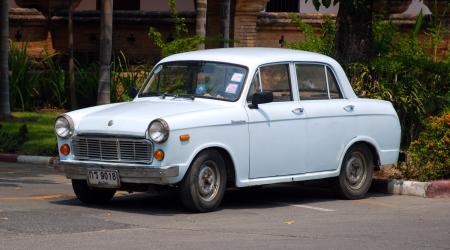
(39, 211)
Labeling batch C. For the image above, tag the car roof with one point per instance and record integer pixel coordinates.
(251, 57)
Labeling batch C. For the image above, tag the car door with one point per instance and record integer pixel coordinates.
(276, 129)
(331, 124)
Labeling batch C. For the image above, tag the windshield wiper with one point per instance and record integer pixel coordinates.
(187, 96)
(175, 96)
(148, 94)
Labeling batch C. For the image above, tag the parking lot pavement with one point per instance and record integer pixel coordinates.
(39, 211)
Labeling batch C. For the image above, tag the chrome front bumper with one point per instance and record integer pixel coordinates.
(128, 173)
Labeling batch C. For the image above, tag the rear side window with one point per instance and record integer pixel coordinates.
(316, 84)
(335, 92)
(312, 83)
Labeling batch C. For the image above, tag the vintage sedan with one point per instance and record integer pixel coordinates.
(207, 120)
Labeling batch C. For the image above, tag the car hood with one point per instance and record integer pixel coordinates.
(133, 118)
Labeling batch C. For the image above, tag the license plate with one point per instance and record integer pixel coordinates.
(103, 178)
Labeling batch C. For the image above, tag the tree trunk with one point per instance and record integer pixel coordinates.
(354, 31)
(226, 22)
(72, 86)
(200, 20)
(5, 108)
(106, 24)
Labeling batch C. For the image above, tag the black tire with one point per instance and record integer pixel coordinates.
(356, 173)
(90, 195)
(203, 186)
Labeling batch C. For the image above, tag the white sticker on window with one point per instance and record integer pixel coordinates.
(232, 88)
(237, 77)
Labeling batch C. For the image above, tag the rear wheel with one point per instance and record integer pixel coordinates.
(90, 195)
(203, 186)
(356, 173)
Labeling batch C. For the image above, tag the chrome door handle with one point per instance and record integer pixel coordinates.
(298, 110)
(349, 108)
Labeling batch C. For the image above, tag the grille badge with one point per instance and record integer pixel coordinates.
(110, 123)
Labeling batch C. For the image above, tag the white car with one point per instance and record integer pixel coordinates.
(207, 120)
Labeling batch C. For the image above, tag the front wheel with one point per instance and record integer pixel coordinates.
(91, 196)
(356, 173)
(203, 186)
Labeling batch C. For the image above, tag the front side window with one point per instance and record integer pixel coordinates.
(197, 79)
(275, 79)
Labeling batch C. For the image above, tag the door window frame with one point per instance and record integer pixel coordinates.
(293, 87)
(325, 65)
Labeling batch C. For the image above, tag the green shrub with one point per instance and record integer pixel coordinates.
(321, 42)
(429, 155)
(23, 79)
(182, 42)
(10, 142)
(125, 76)
(86, 77)
(405, 73)
(416, 87)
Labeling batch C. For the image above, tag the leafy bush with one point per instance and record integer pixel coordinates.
(323, 42)
(125, 76)
(416, 88)
(11, 142)
(182, 42)
(52, 82)
(429, 155)
(86, 77)
(36, 82)
(406, 74)
(23, 79)
(43, 83)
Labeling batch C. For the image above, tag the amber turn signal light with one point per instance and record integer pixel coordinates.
(184, 137)
(159, 155)
(64, 149)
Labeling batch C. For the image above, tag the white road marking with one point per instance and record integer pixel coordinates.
(314, 208)
(306, 206)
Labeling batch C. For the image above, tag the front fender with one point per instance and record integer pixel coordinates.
(231, 138)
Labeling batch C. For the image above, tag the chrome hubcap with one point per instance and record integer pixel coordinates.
(208, 181)
(356, 170)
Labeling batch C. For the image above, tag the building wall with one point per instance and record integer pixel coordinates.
(251, 26)
(130, 29)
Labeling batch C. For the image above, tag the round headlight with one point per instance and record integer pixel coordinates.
(158, 131)
(63, 126)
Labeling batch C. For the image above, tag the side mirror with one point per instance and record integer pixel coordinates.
(132, 92)
(260, 98)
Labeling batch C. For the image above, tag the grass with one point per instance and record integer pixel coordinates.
(41, 139)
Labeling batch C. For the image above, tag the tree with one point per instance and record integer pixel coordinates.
(226, 15)
(200, 21)
(353, 41)
(72, 86)
(5, 108)
(106, 26)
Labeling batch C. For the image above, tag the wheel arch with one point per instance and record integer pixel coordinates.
(370, 144)
(227, 157)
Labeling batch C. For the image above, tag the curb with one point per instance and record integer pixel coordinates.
(43, 160)
(414, 188)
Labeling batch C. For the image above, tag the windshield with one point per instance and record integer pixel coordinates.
(196, 79)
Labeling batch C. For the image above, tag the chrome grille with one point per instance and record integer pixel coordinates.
(112, 149)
